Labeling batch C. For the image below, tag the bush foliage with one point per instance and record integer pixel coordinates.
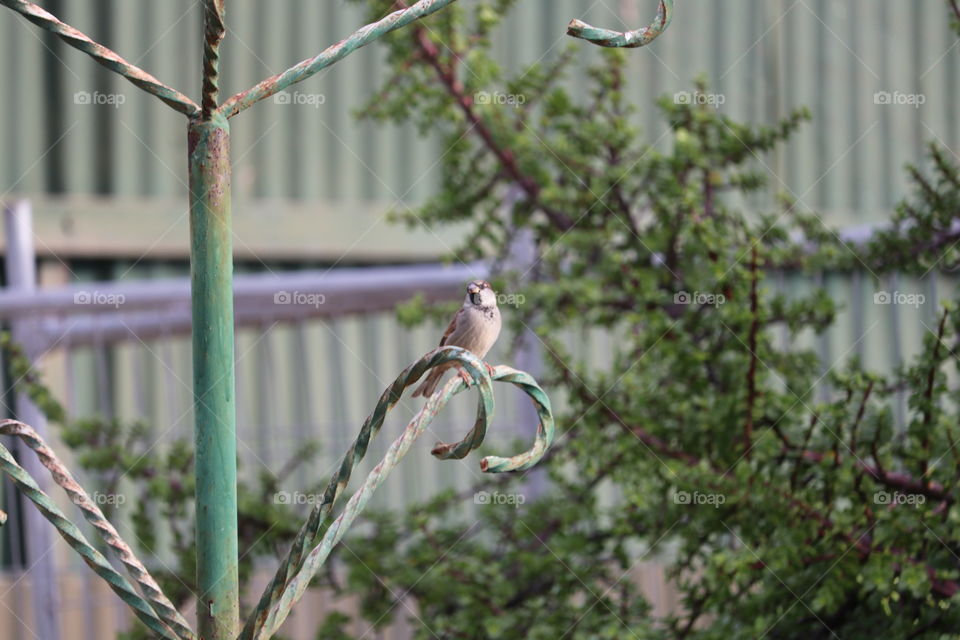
(778, 488)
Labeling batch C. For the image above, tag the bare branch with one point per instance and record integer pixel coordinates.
(454, 87)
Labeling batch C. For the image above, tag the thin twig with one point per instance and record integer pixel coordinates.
(455, 88)
(928, 398)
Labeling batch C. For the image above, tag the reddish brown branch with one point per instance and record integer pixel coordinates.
(652, 441)
(892, 479)
(860, 412)
(942, 587)
(752, 347)
(708, 191)
(447, 76)
(928, 398)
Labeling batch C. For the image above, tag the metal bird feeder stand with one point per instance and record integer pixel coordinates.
(218, 608)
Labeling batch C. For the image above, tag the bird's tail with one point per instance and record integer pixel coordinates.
(430, 384)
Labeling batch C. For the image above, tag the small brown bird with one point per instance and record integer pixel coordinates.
(475, 327)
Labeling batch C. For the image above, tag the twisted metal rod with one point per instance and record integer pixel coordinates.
(628, 39)
(104, 56)
(335, 532)
(313, 527)
(92, 513)
(94, 559)
(214, 28)
(363, 36)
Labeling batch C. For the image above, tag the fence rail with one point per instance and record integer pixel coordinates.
(109, 312)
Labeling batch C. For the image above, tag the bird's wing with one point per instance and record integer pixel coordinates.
(451, 329)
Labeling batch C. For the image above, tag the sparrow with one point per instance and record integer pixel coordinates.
(475, 327)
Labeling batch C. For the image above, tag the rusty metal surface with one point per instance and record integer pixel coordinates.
(154, 609)
(363, 36)
(626, 39)
(104, 56)
(214, 28)
(214, 382)
(92, 513)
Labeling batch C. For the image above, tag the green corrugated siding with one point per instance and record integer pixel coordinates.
(765, 56)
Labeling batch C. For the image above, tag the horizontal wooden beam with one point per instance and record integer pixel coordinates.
(268, 230)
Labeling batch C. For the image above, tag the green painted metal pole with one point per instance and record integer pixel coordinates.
(211, 271)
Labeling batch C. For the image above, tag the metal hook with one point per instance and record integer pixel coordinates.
(627, 39)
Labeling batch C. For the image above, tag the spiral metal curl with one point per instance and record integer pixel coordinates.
(103, 55)
(263, 623)
(627, 39)
(313, 528)
(92, 513)
(545, 429)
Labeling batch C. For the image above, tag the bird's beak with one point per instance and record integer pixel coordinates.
(473, 289)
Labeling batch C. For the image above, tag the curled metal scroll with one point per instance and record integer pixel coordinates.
(626, 39)
(317, 538)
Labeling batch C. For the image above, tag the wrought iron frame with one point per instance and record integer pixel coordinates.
(208, 136)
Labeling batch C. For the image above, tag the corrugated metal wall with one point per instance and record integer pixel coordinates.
(765, 56)
(138, 149)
